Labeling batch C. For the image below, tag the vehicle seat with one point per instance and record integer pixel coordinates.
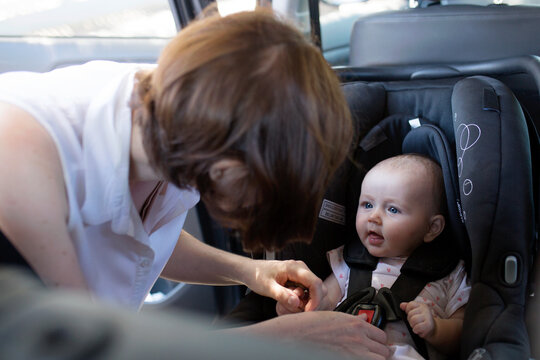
(486, 126)
(442, 34)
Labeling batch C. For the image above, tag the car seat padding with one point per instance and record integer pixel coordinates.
(495, 175)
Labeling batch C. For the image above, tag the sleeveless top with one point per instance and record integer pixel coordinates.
(85, 109)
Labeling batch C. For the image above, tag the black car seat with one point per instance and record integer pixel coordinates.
(444, 34)
(493, 151)
(496, 144)
(497, 201)
(494, 169)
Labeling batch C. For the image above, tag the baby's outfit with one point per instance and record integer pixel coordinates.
(443, 296)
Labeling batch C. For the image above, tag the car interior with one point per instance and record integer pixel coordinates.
(412, 60)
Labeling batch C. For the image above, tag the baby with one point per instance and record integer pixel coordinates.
(400, 207)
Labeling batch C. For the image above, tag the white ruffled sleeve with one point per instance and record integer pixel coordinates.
(340, 269)
(458, 289)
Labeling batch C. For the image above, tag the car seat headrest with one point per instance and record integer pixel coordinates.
(429, 140)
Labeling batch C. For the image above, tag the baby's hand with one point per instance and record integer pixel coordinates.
(420, 318)
(303, 295)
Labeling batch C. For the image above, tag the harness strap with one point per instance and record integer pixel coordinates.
(404, 289)
(359, 278)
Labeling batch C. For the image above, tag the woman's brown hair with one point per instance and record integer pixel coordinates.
(251, 88)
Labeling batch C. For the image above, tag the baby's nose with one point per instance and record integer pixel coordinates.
(374, 217)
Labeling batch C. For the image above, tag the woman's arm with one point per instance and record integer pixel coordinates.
(195, 262)
(33, 200)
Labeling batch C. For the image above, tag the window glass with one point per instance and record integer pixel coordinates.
(337, 19)
(86, 18)
(332, 10)
(226, 7)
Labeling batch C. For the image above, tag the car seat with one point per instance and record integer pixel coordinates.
(489, 123)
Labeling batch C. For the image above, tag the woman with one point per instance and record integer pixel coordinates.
(101, 161)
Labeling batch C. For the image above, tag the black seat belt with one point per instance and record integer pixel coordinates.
(406, 288)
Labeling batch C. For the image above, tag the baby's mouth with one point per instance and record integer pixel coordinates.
(374, 238)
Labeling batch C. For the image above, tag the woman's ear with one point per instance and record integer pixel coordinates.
(229, 179)
(436, 226)
(224, 172)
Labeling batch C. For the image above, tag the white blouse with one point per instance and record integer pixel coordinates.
(85, 110)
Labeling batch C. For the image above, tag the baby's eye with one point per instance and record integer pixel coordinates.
(367, 205)
(393, 210)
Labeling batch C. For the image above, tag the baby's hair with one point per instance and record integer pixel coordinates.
(432, 170)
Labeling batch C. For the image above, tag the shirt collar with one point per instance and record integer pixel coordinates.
(106, 151)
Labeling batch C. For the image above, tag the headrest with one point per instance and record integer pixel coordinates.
(429, 140)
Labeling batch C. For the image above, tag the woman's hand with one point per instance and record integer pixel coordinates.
(289, 282)
(335, 331)
(327, 302)
(303, 295)
(344, 333)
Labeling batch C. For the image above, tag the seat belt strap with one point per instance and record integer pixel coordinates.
(359, 278)
(406, 288)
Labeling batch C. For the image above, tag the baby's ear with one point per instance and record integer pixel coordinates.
(436, 226)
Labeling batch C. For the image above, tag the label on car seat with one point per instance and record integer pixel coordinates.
(333, 212)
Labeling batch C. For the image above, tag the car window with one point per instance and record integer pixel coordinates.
(336, 18)
(87, 18)
(227, 7)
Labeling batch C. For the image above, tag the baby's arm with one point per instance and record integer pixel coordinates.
(328, 302)
(333, 296)
(443, 334)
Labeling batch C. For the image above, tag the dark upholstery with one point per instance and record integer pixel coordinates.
(445, 34)
(10, 256)
(496, 189)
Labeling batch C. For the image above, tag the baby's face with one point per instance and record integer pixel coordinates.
(394, 211)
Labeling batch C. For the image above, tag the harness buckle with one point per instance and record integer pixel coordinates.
(374, 312)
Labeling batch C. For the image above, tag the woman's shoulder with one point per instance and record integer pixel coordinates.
(26, 147)
(19, 130)
(23, 141)
(29, 161)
